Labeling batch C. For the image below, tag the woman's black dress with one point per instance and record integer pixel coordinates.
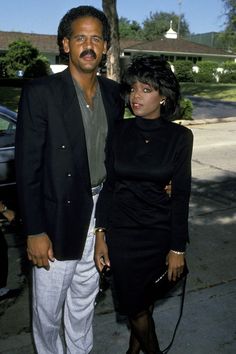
(144, 223)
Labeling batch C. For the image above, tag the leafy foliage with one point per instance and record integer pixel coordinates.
(207, 71)
(230, 12)
(21, 55)
(129, 29)
(159, 22)
(229, 73)
(186, 109)
(156, 25)
(37, 68)
(229, 35)
(183, 70)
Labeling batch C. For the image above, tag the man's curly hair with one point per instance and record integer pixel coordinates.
(65, 28)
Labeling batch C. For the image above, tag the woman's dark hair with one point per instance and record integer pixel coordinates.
(65, 28)
(155, 71)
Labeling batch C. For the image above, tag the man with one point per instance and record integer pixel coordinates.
(64, 125)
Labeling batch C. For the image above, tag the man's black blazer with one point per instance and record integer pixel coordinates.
(52, 169)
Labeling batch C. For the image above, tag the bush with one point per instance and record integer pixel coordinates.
(186, 109)
(207, 71)
(184, 71)
(229, 73)
(37, 68)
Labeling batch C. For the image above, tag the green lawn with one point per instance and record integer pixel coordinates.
(224, 92)
(9, 96)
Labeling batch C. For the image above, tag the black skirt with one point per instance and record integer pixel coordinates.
(138, 257)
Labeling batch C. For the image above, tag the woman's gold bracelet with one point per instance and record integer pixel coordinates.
(177, 252)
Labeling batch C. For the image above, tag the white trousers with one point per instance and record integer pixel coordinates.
(67, 290)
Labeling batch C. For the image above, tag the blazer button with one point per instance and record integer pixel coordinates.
(69, 174)
(68, 202)
(63, 147)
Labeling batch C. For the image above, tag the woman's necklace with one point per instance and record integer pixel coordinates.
(146, 128)
(145, 137)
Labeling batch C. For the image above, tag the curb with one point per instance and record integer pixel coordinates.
(206, 121)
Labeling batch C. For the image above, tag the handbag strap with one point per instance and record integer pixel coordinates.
(180, 316)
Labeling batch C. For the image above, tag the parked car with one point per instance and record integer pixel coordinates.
(7, 155)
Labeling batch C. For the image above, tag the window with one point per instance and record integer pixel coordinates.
(7, 131)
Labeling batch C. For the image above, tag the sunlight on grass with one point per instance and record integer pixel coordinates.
(9, 96)
(224, 92)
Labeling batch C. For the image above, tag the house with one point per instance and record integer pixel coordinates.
(169, 46)
(174, 48)
(46, 44)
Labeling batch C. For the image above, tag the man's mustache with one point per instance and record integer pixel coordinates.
(88, 52)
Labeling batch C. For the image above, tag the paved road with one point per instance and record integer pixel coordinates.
(205, 108)
(208, 324)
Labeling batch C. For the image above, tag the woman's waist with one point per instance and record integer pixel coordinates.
(145, 191)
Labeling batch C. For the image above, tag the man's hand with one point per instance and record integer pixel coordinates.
(39, 249)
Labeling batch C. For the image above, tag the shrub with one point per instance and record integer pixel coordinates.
(183, 70)
(37, 68)
(229, 72)
(207, 71)
(186, 109)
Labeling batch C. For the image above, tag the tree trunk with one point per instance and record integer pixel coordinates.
(113, 55)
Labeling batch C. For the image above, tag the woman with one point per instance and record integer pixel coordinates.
(145, 229)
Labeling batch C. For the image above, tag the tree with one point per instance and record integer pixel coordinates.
(37, 68)
(20, 55)
(113, 55)
(230, 12)
(229, 36)
(159, 22)
(131, 30)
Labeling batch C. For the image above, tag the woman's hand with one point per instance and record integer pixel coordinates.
(101, 257)
(175, 264)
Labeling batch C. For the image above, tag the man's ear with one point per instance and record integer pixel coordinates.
(65, 43)
(104, 48)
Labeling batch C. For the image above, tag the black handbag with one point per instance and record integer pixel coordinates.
(162, 287)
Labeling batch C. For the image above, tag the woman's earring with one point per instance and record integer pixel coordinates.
(163, 101)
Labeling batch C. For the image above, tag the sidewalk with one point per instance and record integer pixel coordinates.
(208, 323)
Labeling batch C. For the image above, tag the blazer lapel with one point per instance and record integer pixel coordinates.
(74, 128)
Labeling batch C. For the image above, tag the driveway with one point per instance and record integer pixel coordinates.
(206, 108)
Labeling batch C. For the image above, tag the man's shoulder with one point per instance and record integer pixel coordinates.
(108, 83)
(47, 80)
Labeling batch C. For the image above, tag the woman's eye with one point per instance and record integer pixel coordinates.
(146, 90)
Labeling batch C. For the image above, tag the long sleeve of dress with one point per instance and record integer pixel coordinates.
(180, 194)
